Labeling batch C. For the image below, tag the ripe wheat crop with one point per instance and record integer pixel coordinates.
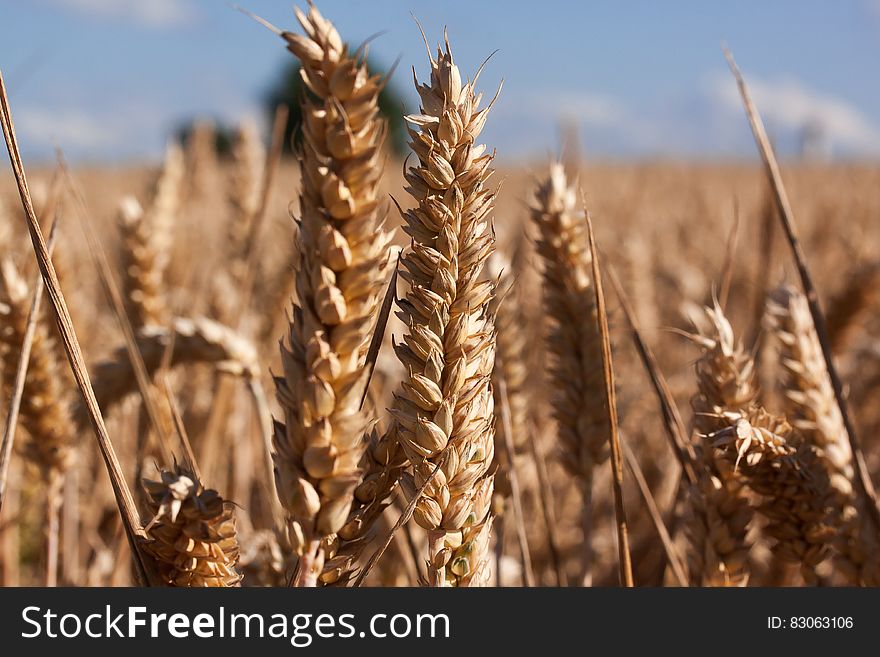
(437, 355)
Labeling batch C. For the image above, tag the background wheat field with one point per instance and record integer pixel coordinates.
(347, 365)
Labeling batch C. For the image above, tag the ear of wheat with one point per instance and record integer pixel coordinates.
(191, 534)
(344, 251)
(787, 474)
(44, 408)
(244, 192)
(813, 411)
(725, 382)
(511, 362)
(573, 340)
(163, 211)
(142, 268)
(44, 411)
(443, 412)
(198, 340)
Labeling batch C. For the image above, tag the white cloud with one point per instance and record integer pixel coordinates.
(592, 109)
(68, 128)
(789, 105)
(148, 13)
(136, 129)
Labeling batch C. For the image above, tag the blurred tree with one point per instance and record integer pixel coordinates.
(289, 89)
(224, 135)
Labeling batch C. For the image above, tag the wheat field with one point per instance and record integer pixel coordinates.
(341, 369)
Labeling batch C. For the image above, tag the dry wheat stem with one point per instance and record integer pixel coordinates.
(545, 494)
(672, 421)
(515, 491)
(343, 247)
(669, 548)
(114, 295)
(624, 559)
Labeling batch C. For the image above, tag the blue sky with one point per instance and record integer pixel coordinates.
(108, 79)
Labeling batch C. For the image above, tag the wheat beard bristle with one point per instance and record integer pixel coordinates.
(810, 405)
(191, 534)
(344, 250)
(786, 472)
(719, 508)
(444, 411)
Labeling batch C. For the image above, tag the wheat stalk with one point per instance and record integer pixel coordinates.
(344, 253)
(191, 536)
(573, 340)
(787, 473)
(812, 410)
